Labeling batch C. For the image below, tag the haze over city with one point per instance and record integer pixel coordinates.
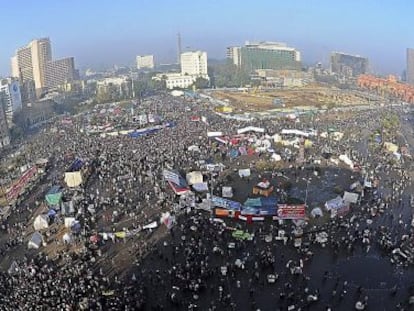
(103, 33)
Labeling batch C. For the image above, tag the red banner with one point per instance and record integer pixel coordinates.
(285, 211)
(17, 187)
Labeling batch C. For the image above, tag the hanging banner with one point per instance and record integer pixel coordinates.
(285, 211)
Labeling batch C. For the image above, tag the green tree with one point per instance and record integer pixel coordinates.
(201, 83)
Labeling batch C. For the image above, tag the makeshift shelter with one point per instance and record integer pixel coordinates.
(73, 179)
(41, 222)
(264, 188)
(194, 177)
(35, 241)
(151, 225)
(54, 196)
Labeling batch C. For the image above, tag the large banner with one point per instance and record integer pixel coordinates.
(17, 187)
(285, 211)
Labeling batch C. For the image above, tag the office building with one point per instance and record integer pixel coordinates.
(145, 62)
(34, 62)
(10, 97)
(265, 55)
(194, 64)
(348, 65)
(410, 66)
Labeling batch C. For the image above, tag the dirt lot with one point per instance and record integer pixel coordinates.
(260, 100)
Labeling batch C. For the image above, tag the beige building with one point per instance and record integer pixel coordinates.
(194, 64)
(145, 62)
(34, 62)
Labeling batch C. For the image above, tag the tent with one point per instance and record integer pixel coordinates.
(35, 241)
(54, 195)
(41, 222)
(194, 177)
(69, 221)
(334, 204)
(73, 179)
(151, 225)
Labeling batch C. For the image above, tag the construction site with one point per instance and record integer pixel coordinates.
(261, 99)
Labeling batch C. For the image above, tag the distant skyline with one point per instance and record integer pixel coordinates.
(103, 32)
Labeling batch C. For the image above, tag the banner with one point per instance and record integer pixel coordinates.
(285, 211)
(17, 187)
(225, 203)
(171, 176)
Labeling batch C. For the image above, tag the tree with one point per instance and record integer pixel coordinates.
(201, 83)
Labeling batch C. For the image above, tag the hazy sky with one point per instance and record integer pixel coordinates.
(114, 31)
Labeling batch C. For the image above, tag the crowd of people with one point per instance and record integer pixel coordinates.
(197, 264)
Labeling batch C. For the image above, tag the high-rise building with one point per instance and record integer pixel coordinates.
(60, 71)
(34, 62)
(4, 129)
(145, 62)
(348, 65)
(10, 97)
(194, 64)
(410, 66)
(265, 55)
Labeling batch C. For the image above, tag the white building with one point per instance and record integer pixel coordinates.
(11, 97)
(194, 64)
(175, 80)
(145, 62)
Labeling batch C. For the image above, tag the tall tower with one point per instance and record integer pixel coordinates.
(179, 48)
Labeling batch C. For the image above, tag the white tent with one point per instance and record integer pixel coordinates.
(194, 177)
(41, 222)
(35, 241)
(193, 148)
(344, 158)
(73, 179)
(151, 225)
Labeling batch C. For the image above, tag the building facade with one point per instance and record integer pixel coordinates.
(194, 64)
(145, 62)
(348, 65)
(410, 66)
(11, 98)
(4, 129)
(34, 62)
(177, 80)
(60, 71)
(265, 55)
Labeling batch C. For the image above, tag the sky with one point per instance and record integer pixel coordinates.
(107, 32)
